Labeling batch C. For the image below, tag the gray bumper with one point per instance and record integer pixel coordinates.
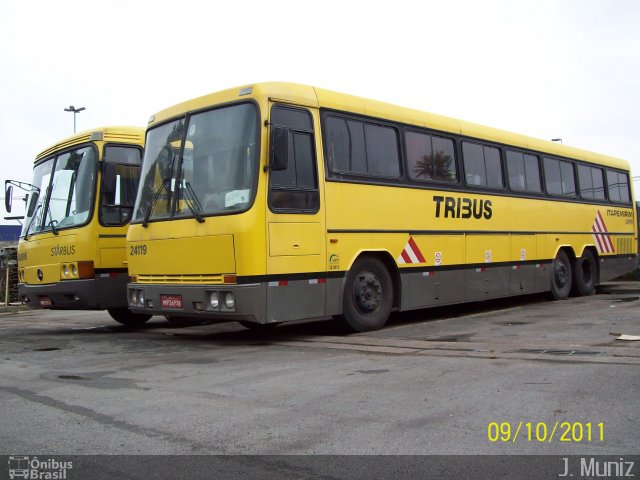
(249, 301)
(108, 291)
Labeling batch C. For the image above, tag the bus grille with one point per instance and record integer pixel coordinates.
(192, 279)
(624, 245)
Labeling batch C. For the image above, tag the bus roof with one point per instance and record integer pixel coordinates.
(134, 135)
(320, 98)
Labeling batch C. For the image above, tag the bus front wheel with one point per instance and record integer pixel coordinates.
(127, 317)
(368, 295)
(258, 327)
(585, 274)
(561, 276)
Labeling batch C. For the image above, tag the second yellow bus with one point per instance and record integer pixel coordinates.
(71, 252)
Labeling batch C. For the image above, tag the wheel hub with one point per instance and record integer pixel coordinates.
(368, 292)
(561, 274)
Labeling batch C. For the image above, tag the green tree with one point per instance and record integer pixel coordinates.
(435, 166)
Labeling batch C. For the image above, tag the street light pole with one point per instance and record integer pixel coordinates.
(74, 110)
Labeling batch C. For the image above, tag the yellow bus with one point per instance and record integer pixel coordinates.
(295, 202)
(71, 252)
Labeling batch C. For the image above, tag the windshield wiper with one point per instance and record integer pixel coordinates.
(33, 217)
(191, 199)
(51, 224)
(164, 183)
(147, 214)
(48, 211)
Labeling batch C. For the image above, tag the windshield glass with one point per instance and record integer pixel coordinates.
(207, 167)
(35, 198)
(65, 196)
(162, 149)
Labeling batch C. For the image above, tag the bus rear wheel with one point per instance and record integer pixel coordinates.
(585, 273)
(368, 295)
(561, 276)
(127, 317)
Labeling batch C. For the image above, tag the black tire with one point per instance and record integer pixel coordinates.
(585, 274)
(561, 276)
(368, 295)
(180, 321)
(127, 317)
(258, 327)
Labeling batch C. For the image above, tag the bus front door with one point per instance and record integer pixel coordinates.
(295, 219)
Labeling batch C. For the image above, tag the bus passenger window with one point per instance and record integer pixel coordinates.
(559, 177)
(591, 182)
(382, 151)
(618, 185)
(430, 158)
(482, 165)
(337, 149)
(361, 148)
(524, 173)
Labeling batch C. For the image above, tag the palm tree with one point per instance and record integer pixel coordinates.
(435, 166)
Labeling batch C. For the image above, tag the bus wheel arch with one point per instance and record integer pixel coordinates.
(561, 274)
(371, 290)
(586, 274)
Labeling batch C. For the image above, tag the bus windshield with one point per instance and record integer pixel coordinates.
(200, 166)
(64, 194)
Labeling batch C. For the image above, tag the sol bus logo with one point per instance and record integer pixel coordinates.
(34, 469)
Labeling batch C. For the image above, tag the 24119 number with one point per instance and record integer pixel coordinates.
(138, 250)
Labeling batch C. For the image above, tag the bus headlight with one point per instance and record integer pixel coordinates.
(134, 297)
(141, 298)
(229, 300)
(74, 270)
(65, 270)
(213, 299)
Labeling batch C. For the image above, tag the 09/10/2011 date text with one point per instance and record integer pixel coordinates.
(543, 432)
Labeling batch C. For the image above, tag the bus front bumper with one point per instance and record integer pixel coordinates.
(90, 294)
(220, 302)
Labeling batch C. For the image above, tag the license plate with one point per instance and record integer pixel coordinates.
(45, 302)
(171, 301)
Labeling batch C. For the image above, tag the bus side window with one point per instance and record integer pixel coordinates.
(559, 177)
(618, 186)
(430, 158)
(482, 165)
(591, 182)
(524, 172)
(120, 176)
(295, 188)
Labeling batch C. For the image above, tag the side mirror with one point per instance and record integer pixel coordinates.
(8, 194)
(33, 202)
(279, 149)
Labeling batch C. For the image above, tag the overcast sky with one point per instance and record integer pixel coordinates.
(568, 69)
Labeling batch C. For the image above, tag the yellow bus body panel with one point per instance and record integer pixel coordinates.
(209, 249)
(196, 255)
